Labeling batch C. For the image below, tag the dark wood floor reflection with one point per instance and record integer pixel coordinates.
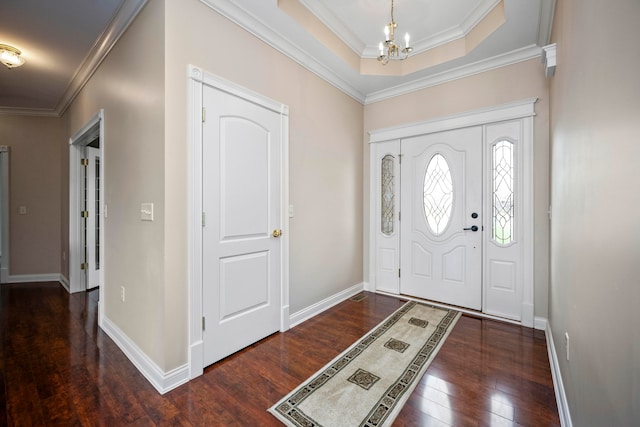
(58, 368)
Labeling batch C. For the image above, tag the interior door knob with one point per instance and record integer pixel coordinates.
(472, 228)
(277, 233)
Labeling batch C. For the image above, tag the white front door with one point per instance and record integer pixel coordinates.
(441, 225)
(241, 199)
(93, 219)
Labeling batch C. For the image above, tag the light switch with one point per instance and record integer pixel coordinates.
(23, 210)
(290, 211)
(146, 212)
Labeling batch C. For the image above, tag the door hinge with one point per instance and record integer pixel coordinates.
(398, 273)
(204, 219)
(203, 323)
(84, 162)
(204, 114)
(400, 158)
(84, 266)
(399, 215)
(84, 214)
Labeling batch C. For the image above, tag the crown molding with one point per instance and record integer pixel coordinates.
(255, 26)
(547, 10)
(336, 25)
(101, 48)
(513, 57)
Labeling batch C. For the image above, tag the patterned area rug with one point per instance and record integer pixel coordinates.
(370, 381)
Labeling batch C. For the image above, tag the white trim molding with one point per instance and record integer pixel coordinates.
(161, 380)
(549, 59)
(317, 308)
(34, 278)
(558, 385)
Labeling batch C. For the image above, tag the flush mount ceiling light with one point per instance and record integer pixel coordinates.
(10, 56)
(393, 51)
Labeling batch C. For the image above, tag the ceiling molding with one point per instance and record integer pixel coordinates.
(520, 55)
(336, 25)
(547, 10)
(118, 25)
(255, 26)
(101, 48)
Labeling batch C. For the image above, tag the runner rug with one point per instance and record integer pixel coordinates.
(369, 382)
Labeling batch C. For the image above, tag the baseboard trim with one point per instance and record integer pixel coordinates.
(65, 283)
(27, 278)
(162, 381)
(558, 385)
(317, 308)
(540, 323)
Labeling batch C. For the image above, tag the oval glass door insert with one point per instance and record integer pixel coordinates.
(438, 194)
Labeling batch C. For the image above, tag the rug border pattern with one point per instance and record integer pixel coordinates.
(386, 407)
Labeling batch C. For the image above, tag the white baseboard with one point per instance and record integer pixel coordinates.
(162, 381)
(4, 275)
(558, 385)
(65, 282)
(540, 323)
(26, 278)
(317, 308)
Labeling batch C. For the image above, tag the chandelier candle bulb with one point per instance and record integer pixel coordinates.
(406, 39)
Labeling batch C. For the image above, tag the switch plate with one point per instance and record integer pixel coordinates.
(290, 211)
(23, 210)
(146, 212)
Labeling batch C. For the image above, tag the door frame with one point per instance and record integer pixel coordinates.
(197, 79)
(523, 109)
(77, 280)
(4, 203)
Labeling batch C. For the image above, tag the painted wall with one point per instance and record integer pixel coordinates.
(595, 231)
(325, 151)
(519, 81)
(129, 86)
(36, 183)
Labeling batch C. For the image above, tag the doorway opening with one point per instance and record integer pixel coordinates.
(86, 207)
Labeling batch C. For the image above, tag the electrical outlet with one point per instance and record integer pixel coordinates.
(64, 255)
(122, 293)
(566, 343)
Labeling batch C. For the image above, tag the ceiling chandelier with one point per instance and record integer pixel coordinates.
(10, 56)
(393, 51)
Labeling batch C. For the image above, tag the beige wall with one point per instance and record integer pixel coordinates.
(129, 86)
(325, 150)
(595, 233)
(506, 84)
(35, 182)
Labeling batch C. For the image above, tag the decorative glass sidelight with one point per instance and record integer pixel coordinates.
(438, 194)
(388, 195)
(503, 192)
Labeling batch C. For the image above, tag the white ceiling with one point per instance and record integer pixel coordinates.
(63, 41)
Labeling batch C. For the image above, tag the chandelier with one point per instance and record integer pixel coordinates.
(393, 51)
(10, 56)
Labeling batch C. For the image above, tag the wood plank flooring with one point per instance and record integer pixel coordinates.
(58, 368)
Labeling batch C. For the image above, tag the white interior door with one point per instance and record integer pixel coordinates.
(242, 223)
(93, 219)
(441, 227)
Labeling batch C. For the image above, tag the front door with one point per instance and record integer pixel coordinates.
(441, 225)
(241, 200)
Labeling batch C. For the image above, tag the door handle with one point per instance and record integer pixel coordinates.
(472, 228)
(277, 233)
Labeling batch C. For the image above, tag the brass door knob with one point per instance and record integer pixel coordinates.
(277, 233)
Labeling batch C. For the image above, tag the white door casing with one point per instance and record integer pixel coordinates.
(238, 188)
(94, 219)
(442, 258)
(507, 269)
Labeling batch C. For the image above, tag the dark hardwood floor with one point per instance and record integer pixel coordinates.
(58, 368)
